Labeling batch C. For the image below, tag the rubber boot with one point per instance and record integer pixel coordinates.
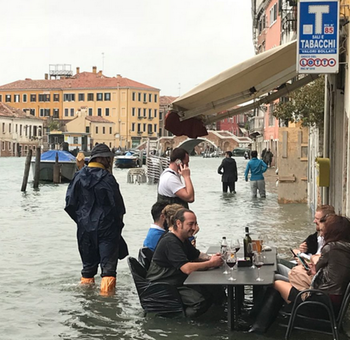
(271, 306)
(108, 286)
(87, 281)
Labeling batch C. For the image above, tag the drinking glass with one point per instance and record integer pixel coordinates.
(236, 245)
(252, 250)
(224, 255)
(231, 262)
(259, 262)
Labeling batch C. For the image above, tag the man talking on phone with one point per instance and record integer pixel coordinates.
(173, 189)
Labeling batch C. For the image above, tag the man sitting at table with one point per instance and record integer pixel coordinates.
(175, 258)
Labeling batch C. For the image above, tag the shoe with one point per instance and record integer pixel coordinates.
(108, 286)
(87, 281)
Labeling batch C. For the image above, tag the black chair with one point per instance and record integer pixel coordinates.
(160, 298)
(332, 325)
(145, 257)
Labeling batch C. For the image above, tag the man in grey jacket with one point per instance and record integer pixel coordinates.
(228, 170)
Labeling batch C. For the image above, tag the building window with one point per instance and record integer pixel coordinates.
(33, 97)
(110, 130)
(8, 98)
(271, 117)
(132, 126)
(155, 113)
(133, 96)
(81, 97)
(56, 97)
(144, 127)
(155, 127)
(139, 96)
(96, 129)
(99, 97)
(72, 112)
(3, 128)
(10, 127)
(106, 111)
(87, 129)
(103, 130)
(75, 140)
(66, 112)
(150, 97)
(160, 114)
(44, 113)
(0, 97)
(149, 113)
(90, 97)
(273, 14)
(149, 129)
(145, 112)
(24, 98)
(32, 112)
(145, 97)
(20, 130)
(90, 111)
(138, 112)
(155, 98)
(55, 113)
(133, 112)
(69, 97)
(107, 96)
(16, 98)
(99, 112)
(138, 128)
(44, 97)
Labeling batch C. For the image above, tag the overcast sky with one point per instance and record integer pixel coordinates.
(172, 45)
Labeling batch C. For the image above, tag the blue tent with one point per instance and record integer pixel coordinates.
(63, 156)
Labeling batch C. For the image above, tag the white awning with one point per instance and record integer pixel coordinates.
(244, 82)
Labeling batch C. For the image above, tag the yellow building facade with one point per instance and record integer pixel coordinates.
(133, 107)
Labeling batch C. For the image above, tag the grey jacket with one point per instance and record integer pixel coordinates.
(333, 268)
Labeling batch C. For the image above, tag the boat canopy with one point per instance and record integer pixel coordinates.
(63, 156)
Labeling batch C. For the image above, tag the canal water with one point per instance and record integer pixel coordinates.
(40, 264)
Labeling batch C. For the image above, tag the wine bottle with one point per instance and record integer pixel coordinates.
(246, 241)
(223, 247)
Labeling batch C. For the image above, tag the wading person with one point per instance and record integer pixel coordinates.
(170, 188)
(94, 202)
(175, 258)
(228, 170)
(257, 182)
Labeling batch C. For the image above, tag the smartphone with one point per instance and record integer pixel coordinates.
(295, 255)
(303, 262)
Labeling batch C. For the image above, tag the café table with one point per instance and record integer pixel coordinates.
(244, 276)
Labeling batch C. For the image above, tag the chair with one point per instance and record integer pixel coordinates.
(145, 257)
(316, 324)
(155, 297)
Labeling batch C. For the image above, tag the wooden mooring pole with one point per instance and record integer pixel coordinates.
(26, 170)
(37, 167)
(56, 171)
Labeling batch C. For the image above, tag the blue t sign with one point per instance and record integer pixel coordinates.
(318, 36)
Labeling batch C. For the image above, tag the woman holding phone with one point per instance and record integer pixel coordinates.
(331, 272)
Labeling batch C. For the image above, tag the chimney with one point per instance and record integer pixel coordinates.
(99, 73)
(78, 70)
(119, 76)
(46, 76)
(94, 69)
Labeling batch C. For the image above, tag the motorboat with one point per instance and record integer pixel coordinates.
(129, 160)
(66, 160)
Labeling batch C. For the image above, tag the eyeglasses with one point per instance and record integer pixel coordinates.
(324, 218)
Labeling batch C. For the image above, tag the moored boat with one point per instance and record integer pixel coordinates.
(66, 160)
(128, 160)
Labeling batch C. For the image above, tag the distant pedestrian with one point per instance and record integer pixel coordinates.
(257, 182)
(228, 170)
(94, 202)
(263, 153)
(268, 158)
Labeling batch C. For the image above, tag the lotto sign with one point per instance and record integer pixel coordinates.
(318, 38)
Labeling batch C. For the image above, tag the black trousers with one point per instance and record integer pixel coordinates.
(226, 185)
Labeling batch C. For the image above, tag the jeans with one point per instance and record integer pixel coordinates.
(258, 185)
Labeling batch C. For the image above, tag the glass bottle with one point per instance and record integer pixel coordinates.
(246, 241)
(223, 248)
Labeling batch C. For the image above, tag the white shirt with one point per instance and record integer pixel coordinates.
(169, 183)
(320, 243)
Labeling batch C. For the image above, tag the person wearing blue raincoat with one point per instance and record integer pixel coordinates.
(94, 202)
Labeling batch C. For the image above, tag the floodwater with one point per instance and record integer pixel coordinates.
(40, 264)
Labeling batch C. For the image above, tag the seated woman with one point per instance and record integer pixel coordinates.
(331, 273)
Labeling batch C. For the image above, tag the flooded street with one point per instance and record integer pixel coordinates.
(40, 263)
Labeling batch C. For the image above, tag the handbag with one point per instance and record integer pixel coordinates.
(299, 278)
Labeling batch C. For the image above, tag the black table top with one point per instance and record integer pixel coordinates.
(243, 275)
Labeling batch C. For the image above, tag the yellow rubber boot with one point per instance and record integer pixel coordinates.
(108, 286)
(87, 281)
